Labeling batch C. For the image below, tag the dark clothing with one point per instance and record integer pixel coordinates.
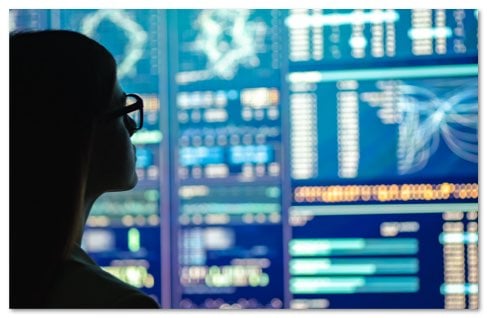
(83, 284)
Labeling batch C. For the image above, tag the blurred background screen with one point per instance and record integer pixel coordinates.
(293, 158)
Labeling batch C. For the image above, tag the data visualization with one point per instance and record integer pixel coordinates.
(293, 159)
(431, 123)
(228, 141)
(219, 45)
(398, 256)
(325, 36)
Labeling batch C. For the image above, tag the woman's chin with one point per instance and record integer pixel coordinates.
(128, 184)
(133, 182)
(135, 179)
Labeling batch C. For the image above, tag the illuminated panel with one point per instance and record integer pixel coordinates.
(230, 246)
(384, 256)
(399, 126)
(129, 221)
(128, 252)
(122, 232)
(383, 109)
(227, 135)
(126, 227)
(223, 266)
(347, 36)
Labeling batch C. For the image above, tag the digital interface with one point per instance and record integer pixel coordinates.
(431, 124)
(228, 140)
(302, 158)
(327, 36)
(396, 251)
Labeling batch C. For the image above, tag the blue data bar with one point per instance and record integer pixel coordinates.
(353, 246)
(353, 285)
(355, 266)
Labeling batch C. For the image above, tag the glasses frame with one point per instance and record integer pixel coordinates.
(124, 111)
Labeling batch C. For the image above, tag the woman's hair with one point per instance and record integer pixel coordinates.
(60, 81)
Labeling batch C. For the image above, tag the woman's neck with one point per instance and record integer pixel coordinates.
(88, 204)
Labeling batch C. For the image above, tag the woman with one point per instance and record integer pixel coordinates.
(70, 142)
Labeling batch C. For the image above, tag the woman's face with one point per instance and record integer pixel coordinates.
(113, 157)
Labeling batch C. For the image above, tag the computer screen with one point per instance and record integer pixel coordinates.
(301, 158)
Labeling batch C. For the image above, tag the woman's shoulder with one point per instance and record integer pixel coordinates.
(83, 284)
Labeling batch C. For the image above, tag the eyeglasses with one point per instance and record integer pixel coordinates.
(133, 113)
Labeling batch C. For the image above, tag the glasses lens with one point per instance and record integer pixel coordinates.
(135, 115)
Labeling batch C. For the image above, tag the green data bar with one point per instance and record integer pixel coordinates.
(353, 246)
(133, 240)
(353, 285)
(357, 266)
(385, 73)
(146, 137)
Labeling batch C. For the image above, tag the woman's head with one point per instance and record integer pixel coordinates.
(61, 67)
(63, 150)
(62, 84)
